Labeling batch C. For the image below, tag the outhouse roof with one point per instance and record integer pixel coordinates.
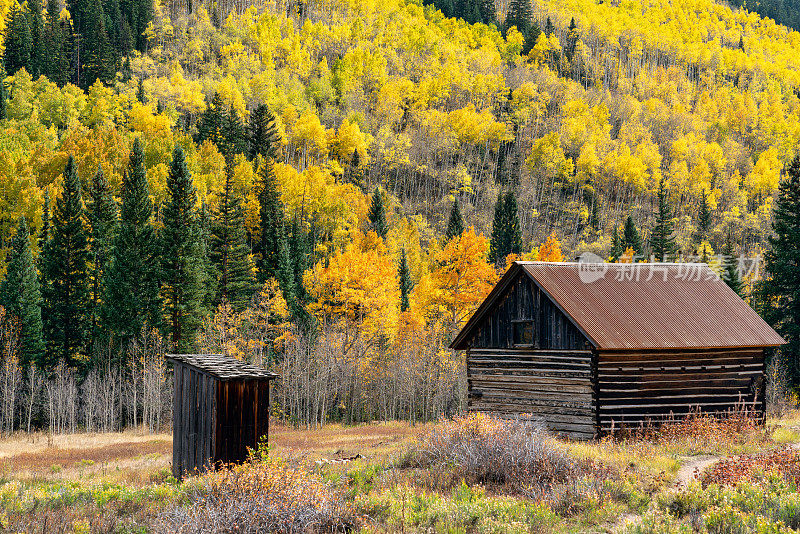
(223, 367)
(641, 305)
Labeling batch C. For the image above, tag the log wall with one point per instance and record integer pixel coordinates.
(648, 386)
(552, 386)
(193, 420)
(242, 418)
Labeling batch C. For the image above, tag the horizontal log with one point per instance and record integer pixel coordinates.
(667, 407)
(700, 375)
(612, 393)
(554, 373)
(529, 385)
(731, 398)
(517, 362)
(482, 404)
(683, 369)
(553, 353)
(501, 379)
(733, 382)
(677, 364)
(519, 394)
(604, 356)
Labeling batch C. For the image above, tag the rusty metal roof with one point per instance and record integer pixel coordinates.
(643, 305)
(222, 367)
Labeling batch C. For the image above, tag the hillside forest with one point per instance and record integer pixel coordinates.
(329, 188)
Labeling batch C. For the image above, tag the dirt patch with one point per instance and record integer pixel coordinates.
(693, 468)
(69, 457)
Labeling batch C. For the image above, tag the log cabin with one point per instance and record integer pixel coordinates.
(220, 410)
(589, 348)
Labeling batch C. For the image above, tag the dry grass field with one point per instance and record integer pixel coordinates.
(464, 476)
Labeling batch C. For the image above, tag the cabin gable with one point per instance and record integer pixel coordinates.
(524, 317)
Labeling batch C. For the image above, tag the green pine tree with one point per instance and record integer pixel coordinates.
(44, 232)
(284, 271)
(513, 231)
(233, 137)
(262, 134)
(210, 122)
(455, 224)
(548, 27)
(731, 271)
(22, 298)
(58, 43)
(102, 214)
(3, 94)
(182, 263)
(616, 245)
(781, 286)
(404, 276)
(131, 284)
(497, 243)
(98, 57)
(662, 240)
(506, 235)
(631, 237)
(520, 15)
(377, 215)
(36, 24)
(66, 290)
(271, 222)
(229, 250)
(703, 218)
(18, 41)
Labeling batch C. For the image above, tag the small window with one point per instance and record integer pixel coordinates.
(523, 332)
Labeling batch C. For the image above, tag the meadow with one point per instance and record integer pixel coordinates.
(470, 474)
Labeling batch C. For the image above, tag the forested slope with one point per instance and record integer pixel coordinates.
(315, 151)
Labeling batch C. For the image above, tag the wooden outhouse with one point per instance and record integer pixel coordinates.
(220, 408)
(588, 348)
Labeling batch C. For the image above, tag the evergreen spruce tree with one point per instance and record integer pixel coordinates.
(182, 263)
(455, 225)
(38, 52)
(662, 240)
(284, 271)
(497, 243)
(301, 247)
(572, 40)
(3, 94)
(520, 15)
(262, 134)
(377, 215)
(631, 237)
(57, 63)
(355, 172)
(271, 223)
(404, 276)
(229, 250)
(506, 235)
(102, 215)
(548, 27)
(131, 284)
(210, 123)
(44, 232)
(18, 41)
(741, 42)
(703, 218)
(616, 245)
(98, 57)
(22, 298)
(781, 286)
(513, 231)
(66, 291)
(731, 273)
(233, 137)
(140, 96)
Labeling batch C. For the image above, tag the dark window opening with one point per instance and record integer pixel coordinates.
(523, 332)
